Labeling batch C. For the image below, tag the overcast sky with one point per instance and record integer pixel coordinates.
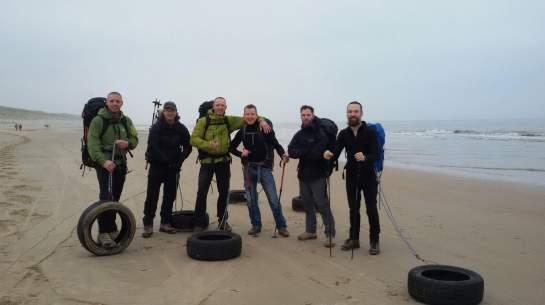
(401, 59)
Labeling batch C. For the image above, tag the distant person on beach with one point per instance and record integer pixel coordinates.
(16, 127)
(211, 136)
(308, 145)
(257, 158)
(168, 147)
(119, 137)
(20, 127)
(361, 147)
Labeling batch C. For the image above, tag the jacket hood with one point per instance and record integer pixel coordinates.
(105, 114)
(213, 116)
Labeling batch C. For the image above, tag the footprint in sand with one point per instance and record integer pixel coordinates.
(39, 216)
(27, 188)
(7, 227)
(24, 199)
(20, 212)
(5, 204)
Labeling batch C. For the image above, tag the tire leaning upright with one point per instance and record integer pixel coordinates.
(90, 215)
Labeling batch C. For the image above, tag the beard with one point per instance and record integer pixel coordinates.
(353, 122)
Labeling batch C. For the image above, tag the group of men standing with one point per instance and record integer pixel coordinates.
(170, 143)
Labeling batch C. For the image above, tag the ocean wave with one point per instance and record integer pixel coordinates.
(507, 135)
(539, 170)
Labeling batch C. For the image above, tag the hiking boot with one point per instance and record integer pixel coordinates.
(350, 244)
(148, 231)
(198, 229)
(284, 232)
(329, 243)
(255, 230)
(307, 236)
(114, 235)
(167, 228)
(225, 227)
(105, 240)
(374, 248)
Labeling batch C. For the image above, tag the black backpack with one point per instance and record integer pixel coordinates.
(90, 111)
(331, 130)
(204, 107)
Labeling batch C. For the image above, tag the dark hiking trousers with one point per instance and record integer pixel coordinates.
(356, 183)
(106, 220)
(158, 175)
(222, 170)
(314, 196)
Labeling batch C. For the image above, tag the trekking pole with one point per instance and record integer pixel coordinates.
(329, 215)
(111, 177)
(283, 165)
(178, 177)
(356, 199)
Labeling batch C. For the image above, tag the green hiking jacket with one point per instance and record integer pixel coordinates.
(100, 148)
(216, 130)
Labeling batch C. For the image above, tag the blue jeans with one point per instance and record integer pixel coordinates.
(264, 175)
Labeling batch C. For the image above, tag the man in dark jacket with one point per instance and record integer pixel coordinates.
(308, 145)
(258, 162)
(168, 148)
(361, 147)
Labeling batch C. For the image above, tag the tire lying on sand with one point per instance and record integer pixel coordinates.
(445, 285)
(184, 221)
(237, 196)
(90, 215)
(297, 204)
(214, 246)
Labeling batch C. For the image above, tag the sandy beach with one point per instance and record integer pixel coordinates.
(494, 228)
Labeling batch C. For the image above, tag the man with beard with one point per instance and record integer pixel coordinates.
(309, 145)
(361, 147)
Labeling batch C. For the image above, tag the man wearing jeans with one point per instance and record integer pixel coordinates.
(258, 161)
(308, 145)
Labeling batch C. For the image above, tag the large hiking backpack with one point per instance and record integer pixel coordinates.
(90, 111)
(331, 130)
(381, 139)
(203, 113)
(204, 107)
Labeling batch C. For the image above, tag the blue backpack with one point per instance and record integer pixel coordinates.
(381, 139)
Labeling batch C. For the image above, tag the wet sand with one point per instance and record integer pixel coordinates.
(495, 228)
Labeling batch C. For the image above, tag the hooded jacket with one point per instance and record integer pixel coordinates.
(100, 148)
(168, 144)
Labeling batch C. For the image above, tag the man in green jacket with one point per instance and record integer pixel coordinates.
(111, 135)
(211, 136)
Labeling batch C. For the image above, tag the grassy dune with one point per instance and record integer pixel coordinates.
(9, 113)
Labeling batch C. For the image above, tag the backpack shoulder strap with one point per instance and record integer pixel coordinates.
(105, 125)
(206, 125)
